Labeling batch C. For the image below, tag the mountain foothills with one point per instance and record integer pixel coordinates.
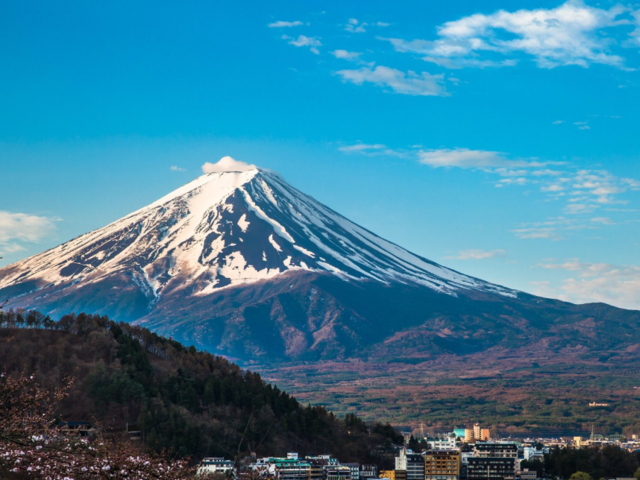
(241, 264)
(181, 401)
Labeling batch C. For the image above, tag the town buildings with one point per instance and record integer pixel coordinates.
(446, 457)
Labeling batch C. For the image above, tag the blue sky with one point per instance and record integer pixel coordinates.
(498, 138)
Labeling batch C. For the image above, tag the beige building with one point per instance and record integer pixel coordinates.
(442, 465)
(477, 431)
(468, 435)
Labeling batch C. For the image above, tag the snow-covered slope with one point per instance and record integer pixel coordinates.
(231, 228)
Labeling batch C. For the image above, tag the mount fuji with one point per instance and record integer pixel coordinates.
(241, 263)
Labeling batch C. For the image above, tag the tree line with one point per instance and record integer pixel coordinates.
(183, 401)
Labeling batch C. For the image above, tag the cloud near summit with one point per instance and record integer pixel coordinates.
(227, 164)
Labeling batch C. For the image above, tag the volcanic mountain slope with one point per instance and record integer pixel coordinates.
(242, 264)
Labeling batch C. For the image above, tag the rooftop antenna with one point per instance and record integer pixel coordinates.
(422, 429)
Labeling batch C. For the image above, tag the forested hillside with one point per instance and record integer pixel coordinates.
(182, 400)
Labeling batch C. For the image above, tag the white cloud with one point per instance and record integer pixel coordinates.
(600, 187)
(603, 220)
(359, 147)
(303, 41)
(557, 122)
(631, 183)
(373, 149)
(10, 247)
(409, 83)
(354, 26)
(545, 172)
(575, 208)
(464, 158)
(475, 254)
(553, 228)
(529, 233)
(23, 227)
(583, 191)
(597, 282)
(227, 164)
(634, 37)
(512, 181)
(284, 24)
(346, 55)
(175, 168)
(571, 34)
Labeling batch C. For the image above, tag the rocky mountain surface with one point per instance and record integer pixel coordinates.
(240, 263)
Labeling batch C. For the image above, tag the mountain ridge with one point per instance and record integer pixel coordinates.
(242, 264)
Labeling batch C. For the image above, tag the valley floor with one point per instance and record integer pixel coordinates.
(512, 394)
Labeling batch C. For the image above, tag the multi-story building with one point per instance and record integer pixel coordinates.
(316, 468)
(400, 475)
(496, 449)
(447, 442)
(337, 472)
(532, 453)
(412, 463)
(368, 472)
(492, 461)
(327, 458)
(355, 470)
(527, 474)
(285, 468)
(212, 465)
(491, 468)
(442, 465)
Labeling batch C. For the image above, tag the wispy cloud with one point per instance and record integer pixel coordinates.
(303, 41)
(284, 24)
(555, 228)
(463, 158)
(175, 168)
(18, 228)
(373, 149)
(397, 81)
(571, 34)
(346, 55)
(361, 147)
(475, 254)
(354, 26)
(603, 221)
(584, 190)
(227, 164)
(595, 282)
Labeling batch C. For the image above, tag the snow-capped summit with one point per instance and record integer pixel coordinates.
(240, 263)
(234, 225)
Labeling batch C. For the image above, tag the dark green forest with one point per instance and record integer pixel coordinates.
(182, 401)
(599, 462)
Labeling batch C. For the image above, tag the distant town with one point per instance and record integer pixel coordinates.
(463, 454)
